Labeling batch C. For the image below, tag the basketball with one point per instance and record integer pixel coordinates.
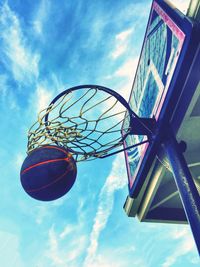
(48, 173)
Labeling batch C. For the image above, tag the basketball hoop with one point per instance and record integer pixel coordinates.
(88, 121)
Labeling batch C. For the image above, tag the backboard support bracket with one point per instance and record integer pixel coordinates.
(142, 126)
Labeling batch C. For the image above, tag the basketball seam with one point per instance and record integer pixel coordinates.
(57, 148)
(44, 162)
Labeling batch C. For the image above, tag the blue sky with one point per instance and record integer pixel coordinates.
(45, 47)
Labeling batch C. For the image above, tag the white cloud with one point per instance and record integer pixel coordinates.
(127, 69)
(53, 246)
(178, 233)
(96, 28)
(66, 247)
(43, 97)
(122, 36)
(119, 257)
(7, 94)
(45, 92)
(113, 182)
(67, 231)
(127, 72)
(125, 89)
(105, 261)
(119, 50)
(122, 42)
(59, 202)
(185, 246)
(78, 247)
(3, 85)
(19, 158)
(41, 17)
(17, 55)
(37, 25)
(10, 250)
(128, 13)
(42, 212)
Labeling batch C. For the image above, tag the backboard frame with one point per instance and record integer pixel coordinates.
(185, 29)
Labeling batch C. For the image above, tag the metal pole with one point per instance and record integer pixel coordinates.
(185, 184)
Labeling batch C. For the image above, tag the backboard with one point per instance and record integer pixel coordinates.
(162, 46)
(163, 50)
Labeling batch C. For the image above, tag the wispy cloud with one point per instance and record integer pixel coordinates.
(53, 246)
(3, 85)
(63, 250)
(41, 17)
(67, 231)
(41, 213)
(128, 13)
(128, 68)
(122, 42)
(45, 91)
(113, 182)
(17, 55)
(185, 246)
(123, 36)
(10, 250)
(126, 73)
(7, 95)
(106, 261)
(18, 160)
(43, 97)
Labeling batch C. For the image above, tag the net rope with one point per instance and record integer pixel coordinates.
(87, 122)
